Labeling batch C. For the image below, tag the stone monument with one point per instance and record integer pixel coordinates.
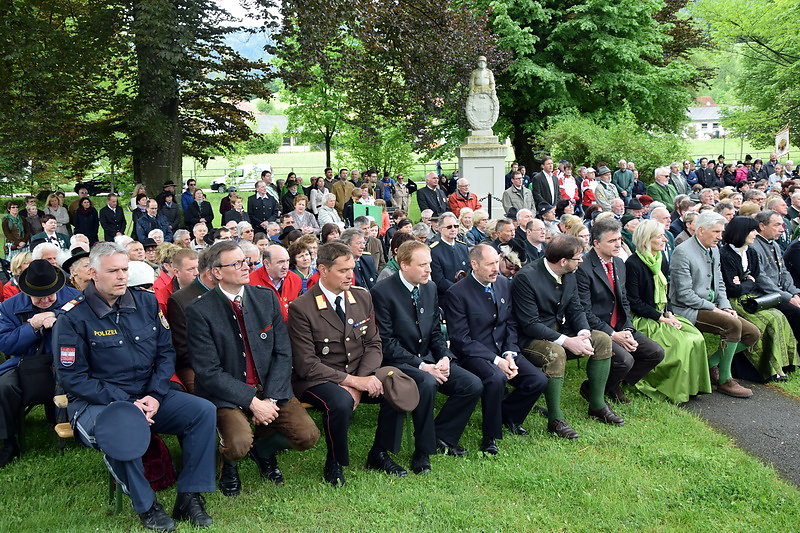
(482, 158)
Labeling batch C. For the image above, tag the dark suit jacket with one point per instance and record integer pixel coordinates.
(176, 316)
(112, 222)
(731, 265)
(196, 212)
(216, 347)
(410, 335)
(641, 288)
(477, 325)
(324, 349)
(435, 200)
(39, 238)
(532, 253)
(368, 274)
(543, 308)
(791, 258)
(446, 261)
(541, 191)
(595, 292)
(262, 210)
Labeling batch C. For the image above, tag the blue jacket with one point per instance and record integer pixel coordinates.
(146, 224)
(103, 354)
(17, 337)
(186, 199)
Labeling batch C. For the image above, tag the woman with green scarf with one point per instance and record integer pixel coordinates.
(14, 228)
(684, 370)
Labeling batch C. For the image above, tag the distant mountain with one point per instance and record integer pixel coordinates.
(250, 46)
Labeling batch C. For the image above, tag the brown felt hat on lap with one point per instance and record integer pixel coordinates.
(399, 389)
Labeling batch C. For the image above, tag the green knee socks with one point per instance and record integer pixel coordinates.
(552, 396)
(597, 371)
(726, 358)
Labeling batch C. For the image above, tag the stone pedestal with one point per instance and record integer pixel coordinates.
(482, 161)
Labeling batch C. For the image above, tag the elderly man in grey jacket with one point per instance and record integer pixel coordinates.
(697, 293)
(774, 276)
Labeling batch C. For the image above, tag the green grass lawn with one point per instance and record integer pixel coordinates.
(665, 470)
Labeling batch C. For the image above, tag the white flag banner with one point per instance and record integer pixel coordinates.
(782, 143)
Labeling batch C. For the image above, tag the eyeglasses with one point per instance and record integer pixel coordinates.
(576, 259)
(247, 231)
(451, 226)
(238, 264)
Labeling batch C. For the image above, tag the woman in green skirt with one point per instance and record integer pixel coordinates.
(777, 348)
(684, 370)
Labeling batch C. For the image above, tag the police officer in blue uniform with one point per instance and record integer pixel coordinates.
(449, 256)
(111, 344)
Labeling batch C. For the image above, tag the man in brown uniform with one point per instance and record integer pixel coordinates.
(336, 351)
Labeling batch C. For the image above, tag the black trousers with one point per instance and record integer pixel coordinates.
(633, 366)
(793, 316)
(10, 404)
(336, 405)
(464, 390)
(497, 406)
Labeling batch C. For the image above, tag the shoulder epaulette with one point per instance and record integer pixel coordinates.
(365, 253)
(72, 303)
(358, 287)
(462, 242)
(434, 244)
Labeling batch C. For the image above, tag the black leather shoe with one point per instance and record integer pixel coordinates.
(606, 416)
(489, 447)
(616, 395)
(381, 460)
(450, 449)
(268, 467)
(333, 473)
(420, 463)
(229, 482)
(584, 390)
(191, 506)
(561, 429)
(515, 429)
(156, 519)
(8, 452)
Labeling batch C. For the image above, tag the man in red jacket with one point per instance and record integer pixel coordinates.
(275, 274)
(462, 198)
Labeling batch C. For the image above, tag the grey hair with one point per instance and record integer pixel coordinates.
(212, 253)
(243, 225)
(194, 228)
(328, 197)
(446, 214)
(179, 233)
(123, 240)
(361, 222)
(249, 248)
(266, 255)
(772, 202)
(720, 207)
(661, 171)
(420, 229)
(104, 249)
(154, 232)
(348, 235)
(762, 217)
(708, 219)
(273, 225)
(40, 249)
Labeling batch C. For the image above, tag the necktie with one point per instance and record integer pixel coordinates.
(340, 308)
(490, 290)
(415, 296)
(615, 312)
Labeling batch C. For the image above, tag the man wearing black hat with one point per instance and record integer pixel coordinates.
(169, 189)
(26, 322)
(113, 345)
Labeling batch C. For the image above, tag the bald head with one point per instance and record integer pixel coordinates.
(485, 262)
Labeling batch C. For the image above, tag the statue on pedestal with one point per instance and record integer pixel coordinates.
(483, 107)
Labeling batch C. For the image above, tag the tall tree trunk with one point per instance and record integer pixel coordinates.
(157, 141)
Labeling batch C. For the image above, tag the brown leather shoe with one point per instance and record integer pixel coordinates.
(606, 415)
(732, 388)
(714, 373)
(616, 395)
(561, 429)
